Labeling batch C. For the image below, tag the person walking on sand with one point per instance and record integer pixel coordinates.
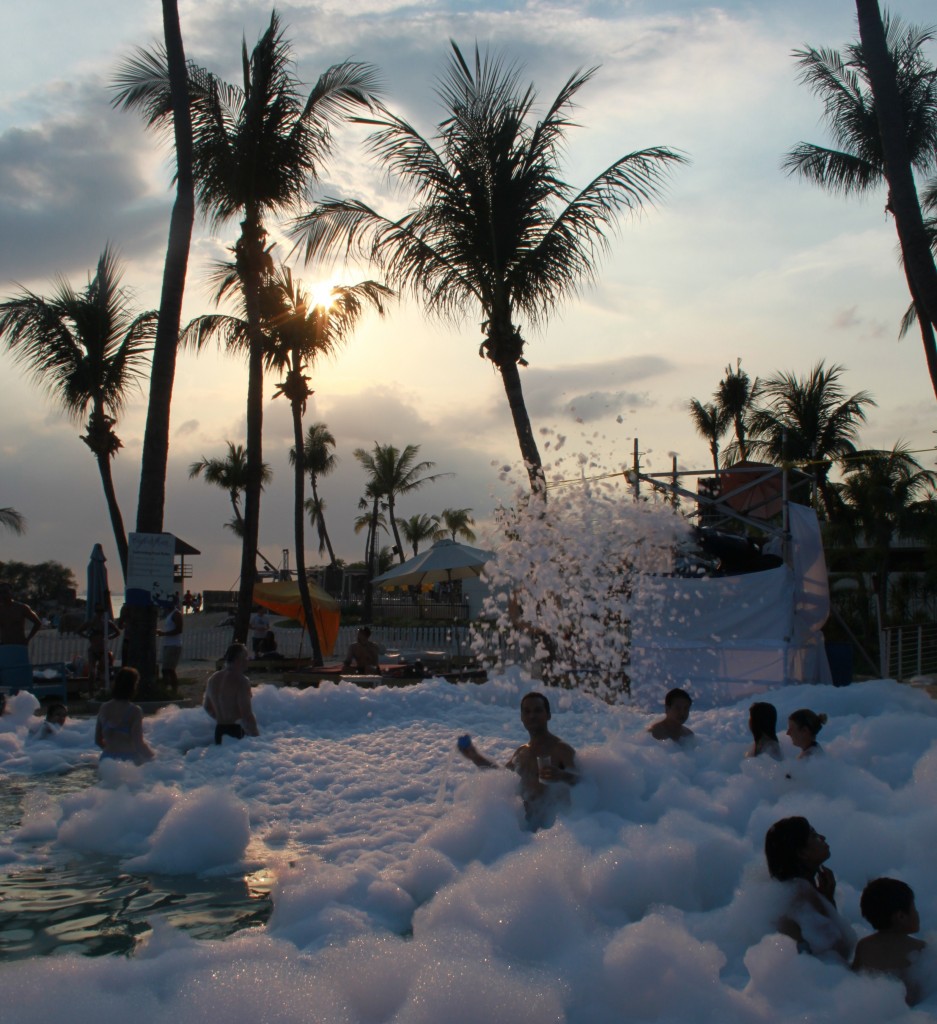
(228, 697)
(13, 618)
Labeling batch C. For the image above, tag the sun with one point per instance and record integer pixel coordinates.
(322, 293)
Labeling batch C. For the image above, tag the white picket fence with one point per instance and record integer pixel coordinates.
(210, 643)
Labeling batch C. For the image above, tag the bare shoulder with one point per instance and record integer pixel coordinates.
(564, 751)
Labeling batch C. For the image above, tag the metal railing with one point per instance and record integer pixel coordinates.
(910, 650)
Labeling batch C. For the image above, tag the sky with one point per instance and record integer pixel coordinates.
(739, 260)
(405, 888)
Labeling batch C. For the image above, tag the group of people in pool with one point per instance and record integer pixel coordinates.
(803, 726)
(795, 852)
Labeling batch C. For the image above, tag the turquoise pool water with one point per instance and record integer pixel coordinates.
(91, 907)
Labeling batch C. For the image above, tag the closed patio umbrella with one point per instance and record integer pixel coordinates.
(99, 595)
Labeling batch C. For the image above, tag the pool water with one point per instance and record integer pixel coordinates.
(90, 906)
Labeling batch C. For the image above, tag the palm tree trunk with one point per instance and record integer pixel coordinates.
(394, 530)
(141, 622)
(250, 259)
(372, 548)
(299, 522)
(117, 520)
(927, 330)
(320, 521)
(915, 244)
(510, 376)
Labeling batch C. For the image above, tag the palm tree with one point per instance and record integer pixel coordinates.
(456, 522)
(493, 226)
(809, 421)
(257, 147)
(893, 123)
(711, 422)
(88, 350)
(418, 528)
(141, 621)
(320, 460)
(230, 474)
(887, 495)
(858, 165)
(301, 332)
(734, 398)
(10, 519)
(394, 471)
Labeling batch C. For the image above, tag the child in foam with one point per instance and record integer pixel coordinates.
(888, 905)
(797, 854)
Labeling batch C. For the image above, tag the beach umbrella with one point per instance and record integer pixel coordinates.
(99, 595)
(445, 561)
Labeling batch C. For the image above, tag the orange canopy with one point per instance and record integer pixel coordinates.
(284, 599)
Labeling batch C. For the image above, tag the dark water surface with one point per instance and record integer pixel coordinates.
(89, 906)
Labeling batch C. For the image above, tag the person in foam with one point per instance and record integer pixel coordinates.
(119, 727)
(672, 726)
(797, 854)
(888, 905)
(540, 763)
(763, 723)
(802, 727)
(228, 697)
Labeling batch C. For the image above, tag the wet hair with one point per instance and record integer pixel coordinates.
(535, 695)
(763, 721)
(882, 899)
(53, 708)
(269, 642)
(783, 843)
(234, 652)
(676, 694)
(807, 719)
(365, 630)
(125, 684)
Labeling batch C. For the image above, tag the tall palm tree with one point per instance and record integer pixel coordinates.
(257, 148)
(395, 471)
(734, 398)
(141, 621)
(230, 474)
(301, 332)
(493, 227)
(10, 519)
(857, 164)
(456, 522)
(88, 350)
(893, 121)
(711, 423)
(810, 421)
(320, 460)
(887, 495)
(418, 528)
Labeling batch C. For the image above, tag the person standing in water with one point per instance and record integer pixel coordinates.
(672, 726)
(228, 697)
(119, 728)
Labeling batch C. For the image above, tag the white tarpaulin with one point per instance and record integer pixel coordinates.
(726, 637)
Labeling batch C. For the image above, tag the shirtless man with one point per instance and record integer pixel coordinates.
(543, 760)
(677, 706)
(13, 618)
(363, 652)
(228, 697)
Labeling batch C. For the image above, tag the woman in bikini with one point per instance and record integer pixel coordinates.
(119, 729)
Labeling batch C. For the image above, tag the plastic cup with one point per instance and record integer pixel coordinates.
(542, 764)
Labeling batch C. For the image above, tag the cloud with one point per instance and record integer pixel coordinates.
(72, 183)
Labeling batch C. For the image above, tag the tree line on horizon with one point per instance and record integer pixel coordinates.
(491, 226)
